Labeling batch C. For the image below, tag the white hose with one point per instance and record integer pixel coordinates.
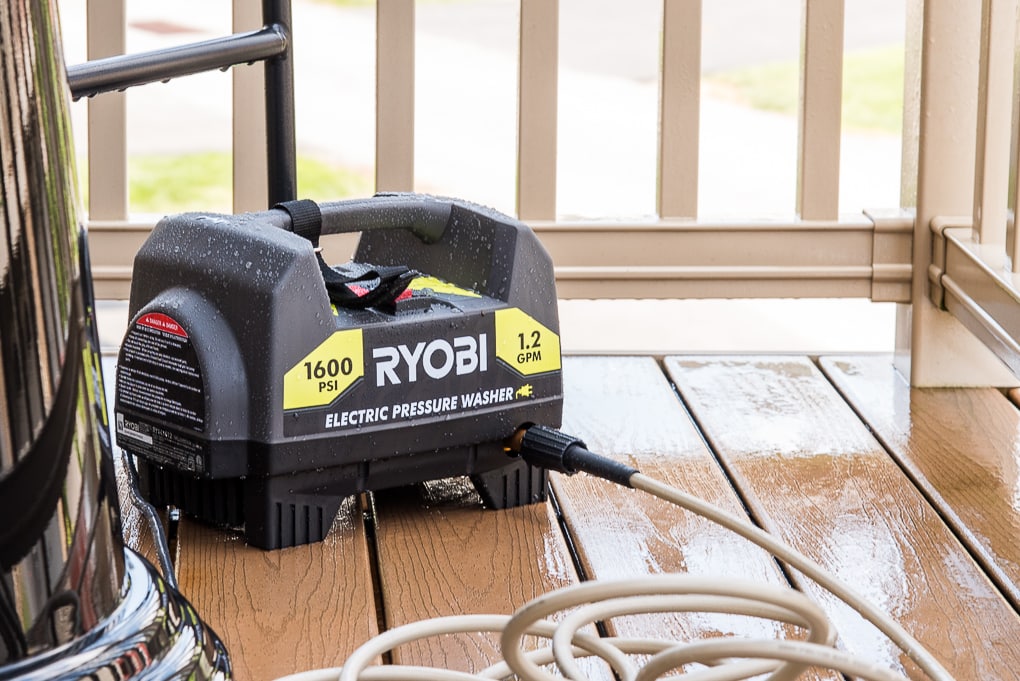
(725, 659)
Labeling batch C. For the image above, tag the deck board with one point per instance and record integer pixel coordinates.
(300, 608)
(961, 446)
(441, 553)
(813, 475)
(624, 408)
(807, 466)
(280, 611)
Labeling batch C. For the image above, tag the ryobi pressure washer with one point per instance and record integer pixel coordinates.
(258, 386)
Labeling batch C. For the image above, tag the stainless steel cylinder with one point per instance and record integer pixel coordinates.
(73, 600)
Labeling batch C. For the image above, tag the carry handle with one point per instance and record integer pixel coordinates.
(424, 216)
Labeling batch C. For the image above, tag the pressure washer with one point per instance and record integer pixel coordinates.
(258, 386)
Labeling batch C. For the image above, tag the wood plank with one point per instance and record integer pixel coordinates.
(394, 87)
(813, 475)
(281, 611)
(248, 117)
(959, 445)
(278, 611)
(537, 109)
(624, 408)
(940, 351)
(440, 553)
(994, 122)
(679, 109)
(819, 111)
(106, 36)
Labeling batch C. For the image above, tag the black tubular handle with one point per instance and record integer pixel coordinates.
(424, 216)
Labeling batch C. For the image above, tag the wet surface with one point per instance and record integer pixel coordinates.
(274, 611)
(775, 438)
(972, 476)
(441, 553)
(813, 474)
(625, 408)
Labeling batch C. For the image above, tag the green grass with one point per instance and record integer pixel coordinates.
(872, 88)
(174, 183)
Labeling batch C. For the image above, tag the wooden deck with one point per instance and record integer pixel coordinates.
(910, 496)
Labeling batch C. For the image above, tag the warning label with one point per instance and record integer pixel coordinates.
(159, 374)
(161, 445)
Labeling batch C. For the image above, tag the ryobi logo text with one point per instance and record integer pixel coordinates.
(436, 358)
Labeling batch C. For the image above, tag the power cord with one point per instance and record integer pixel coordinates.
(725, 659)
(160, 543)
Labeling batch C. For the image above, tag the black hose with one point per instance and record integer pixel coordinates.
(10, 626)
(145, 508)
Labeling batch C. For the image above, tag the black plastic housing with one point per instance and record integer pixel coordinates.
(250, 399)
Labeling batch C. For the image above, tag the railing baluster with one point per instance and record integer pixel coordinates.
(1013, 211)
(394, 113)
(107, 136)
(994, 120)
(679, 105)
(930, 346)
(1013, 181)
(249, 120)
(537, 110)
(911, 123)
(821, 83)
(790, 272)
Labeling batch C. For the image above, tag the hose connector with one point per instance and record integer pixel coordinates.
(551, 449)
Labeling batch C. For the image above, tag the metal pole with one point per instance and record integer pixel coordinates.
(280, 147)
(124, 71)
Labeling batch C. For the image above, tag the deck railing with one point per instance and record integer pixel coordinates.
(959, 159)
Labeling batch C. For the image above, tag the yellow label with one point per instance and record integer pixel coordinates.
(440, 286)
(326, 372)
(524, 344)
